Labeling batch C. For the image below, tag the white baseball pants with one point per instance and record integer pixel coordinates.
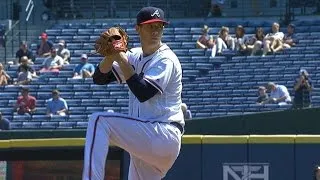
(153, 147)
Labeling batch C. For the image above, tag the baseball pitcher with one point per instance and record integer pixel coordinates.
(151, 132)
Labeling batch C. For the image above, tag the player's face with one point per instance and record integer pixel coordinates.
(150, 33)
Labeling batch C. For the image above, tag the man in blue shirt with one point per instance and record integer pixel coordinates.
(85, 69)
(56, 105)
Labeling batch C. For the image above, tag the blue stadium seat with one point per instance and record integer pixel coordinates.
(76, 110)
(65, 87)
(67, 38)
(6, 110)
(89, 102)
(195, 30)
(101, 94)
(107, 102)
(49, 125)
(66, 125)
(168, 38)
(122, 102)
(88, 46)
(95, 87)
(174, 45)
(58, 118)
(30, 125)
(85, 32)
(168, 31)
(91, 110)
(21, 118)
(42, 117)
(196, 52)
(77, 117)
(53, 32)
(119, 94)
(57, 80)
(73, 46)
(81, 38)
(81, 125)
(82, 94)
(69, 32)
(8, 95)
(182, 30)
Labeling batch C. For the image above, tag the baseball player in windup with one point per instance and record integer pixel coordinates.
(152, 131)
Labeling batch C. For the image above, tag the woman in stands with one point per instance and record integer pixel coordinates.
(240, 40)
(205, 41)
(4, 77)
(224, 41)
(255, 43)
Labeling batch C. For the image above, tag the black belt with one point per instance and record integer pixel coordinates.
(178, 125)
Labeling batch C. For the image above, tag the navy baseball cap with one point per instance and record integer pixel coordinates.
(149, 15)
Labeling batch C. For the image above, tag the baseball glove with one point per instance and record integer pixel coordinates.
(112, 41)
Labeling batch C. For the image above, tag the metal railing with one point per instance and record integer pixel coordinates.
(13, 33)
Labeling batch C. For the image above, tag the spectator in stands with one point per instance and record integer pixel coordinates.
(289, 39)
(240, 40)
(224, 41)
(302, 88)
(263, 96)
(186, 112)
(4, 123)
(26, 104)
(205, 41)
(63, 52)
(273, 40)
(24, 62)
(24, 52)
(4, 77)
(255, 43)
(279, 94)
(45, 46)
(85, 69)
(24, 76)
(215, 9)
(53, 63)
(56, 105)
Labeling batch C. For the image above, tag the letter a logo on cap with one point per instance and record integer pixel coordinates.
(156, 13)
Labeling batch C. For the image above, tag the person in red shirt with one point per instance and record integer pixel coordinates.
(205, 41)
(25, 102)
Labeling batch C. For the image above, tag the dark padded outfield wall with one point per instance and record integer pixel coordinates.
(203, 157)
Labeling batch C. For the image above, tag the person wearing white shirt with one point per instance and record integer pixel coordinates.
(272, 40)
(279, 94)
(53, 63)
(63, 52)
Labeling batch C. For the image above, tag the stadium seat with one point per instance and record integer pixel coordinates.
(76, 110)
(66, 125)
(81, 125)
(15, 125)
(30, 125)
(49, 125)
(21, 118)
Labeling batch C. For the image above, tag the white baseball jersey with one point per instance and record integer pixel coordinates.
(162, 70)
